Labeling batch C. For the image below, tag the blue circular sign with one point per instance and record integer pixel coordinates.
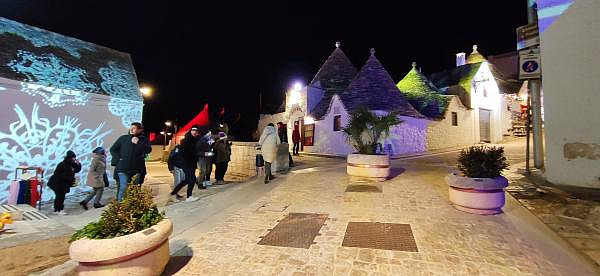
(530, 66)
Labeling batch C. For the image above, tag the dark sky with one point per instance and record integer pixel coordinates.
(225, 53)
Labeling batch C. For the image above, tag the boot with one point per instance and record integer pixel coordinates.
(83, 204)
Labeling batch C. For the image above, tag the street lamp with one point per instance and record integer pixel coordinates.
(165, 133)
(146, 90)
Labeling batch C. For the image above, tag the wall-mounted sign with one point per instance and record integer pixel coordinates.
(528, 36)
(529, 64)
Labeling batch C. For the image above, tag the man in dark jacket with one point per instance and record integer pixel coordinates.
(282, 132)
(205, 155)
(128, 154)
(222, 148)
(190, 158)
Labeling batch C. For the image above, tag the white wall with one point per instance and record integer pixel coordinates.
(492, 102)
(34, 133)
(265, 119)
(442, 134)
(570, 50)
(326, 140)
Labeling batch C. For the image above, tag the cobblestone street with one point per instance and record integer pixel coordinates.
(449, 242)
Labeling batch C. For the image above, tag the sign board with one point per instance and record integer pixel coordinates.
(529, 64)
(528, 36)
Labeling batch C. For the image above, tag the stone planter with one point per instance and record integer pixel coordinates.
(371, 166)
(483, 196)
(142, 253)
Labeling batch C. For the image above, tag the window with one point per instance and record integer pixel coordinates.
(337, 123)
(308, 138)
(454, 119)
(336, 110)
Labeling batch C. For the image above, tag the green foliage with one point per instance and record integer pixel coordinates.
(365, 129)
(135, 213)
(422, 94)
(482, 162)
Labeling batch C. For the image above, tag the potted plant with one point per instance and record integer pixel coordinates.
(131, 237)
(479, 187)
(364, 132)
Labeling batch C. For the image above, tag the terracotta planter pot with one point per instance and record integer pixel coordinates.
(142, 253)
(371, 166)
(483, 196)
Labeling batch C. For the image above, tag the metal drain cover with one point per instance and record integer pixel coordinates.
(387, 236)
(363, 189)
(295, 230)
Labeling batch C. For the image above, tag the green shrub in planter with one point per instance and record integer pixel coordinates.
(365, 129)
(135, 213)
(482, 161)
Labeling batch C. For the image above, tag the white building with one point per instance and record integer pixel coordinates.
(470, 106)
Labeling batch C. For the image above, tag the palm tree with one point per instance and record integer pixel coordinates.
(365, 129)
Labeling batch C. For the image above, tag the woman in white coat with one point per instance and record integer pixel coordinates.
(269, 140)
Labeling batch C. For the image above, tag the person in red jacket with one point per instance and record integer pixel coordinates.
(296, 139)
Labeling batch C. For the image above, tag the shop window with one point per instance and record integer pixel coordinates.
(308, 138)
(454, 119)
(337, 123)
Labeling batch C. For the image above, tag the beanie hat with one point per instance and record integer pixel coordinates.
(70, 154)
(99, 150)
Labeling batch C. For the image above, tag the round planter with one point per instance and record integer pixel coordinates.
(142, 253)
(483, 196)
(371, 166)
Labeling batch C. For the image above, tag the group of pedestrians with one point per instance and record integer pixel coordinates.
(128, 157)
(199, 149)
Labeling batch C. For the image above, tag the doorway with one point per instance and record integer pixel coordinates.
(484, 125)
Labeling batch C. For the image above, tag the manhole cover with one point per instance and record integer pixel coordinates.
(295, 230)
(363, 189)
(387, 236)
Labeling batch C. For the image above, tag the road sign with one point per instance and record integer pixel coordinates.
(529, 64)
(528, 36)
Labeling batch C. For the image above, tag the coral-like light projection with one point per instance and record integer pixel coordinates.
(35, 141)
(54, 80)
(129, 111)
(41, 38)
(119, 82)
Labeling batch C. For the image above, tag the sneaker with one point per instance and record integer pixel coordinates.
(207, 183)
(266, 181)
(62, 213)
(98, 205)
(84, 205)
(178, 197)
(191, 199)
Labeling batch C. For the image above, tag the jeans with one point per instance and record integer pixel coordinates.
(96, 192)
(190, 180)
(59, 201)
(220, 170)
(203, 163)
(124, 179)
(268, 174)
(178, 176)
(296, 148)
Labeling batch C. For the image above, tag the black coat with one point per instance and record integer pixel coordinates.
(129, 157)
(64, 176)
(188, 150)
(176, 159)
(222, 150)
(282, 132)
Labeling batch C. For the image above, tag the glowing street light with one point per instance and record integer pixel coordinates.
(168, 123)
(146, 90)
(297, 86)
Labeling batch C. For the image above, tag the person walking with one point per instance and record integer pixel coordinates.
(63, 179)
(222, 148)
(296, 139)
(282, 132)
(190, 158)
(96, 178)
(268, 142)
(205, 155)
(176, 163)
(128, 154)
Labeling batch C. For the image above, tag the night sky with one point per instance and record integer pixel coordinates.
(226, 53)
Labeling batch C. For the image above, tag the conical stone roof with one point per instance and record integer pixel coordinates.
(422, 94)
(475, 57)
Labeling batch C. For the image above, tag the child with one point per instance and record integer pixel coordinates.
(62, 180)
(96, 178)
(176, 164)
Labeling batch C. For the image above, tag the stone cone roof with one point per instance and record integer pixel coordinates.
(422, 94)
(374, 89)
(475, 57)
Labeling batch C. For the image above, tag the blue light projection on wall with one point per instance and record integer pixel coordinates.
(129, 111)
(2, 88)
(41, 38)
(36, 141)
(550, 10)
(52, 79)
(119, 81)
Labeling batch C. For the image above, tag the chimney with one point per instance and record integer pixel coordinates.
(460, 59)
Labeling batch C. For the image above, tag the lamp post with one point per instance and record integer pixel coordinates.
(146, 92)
(165, 133)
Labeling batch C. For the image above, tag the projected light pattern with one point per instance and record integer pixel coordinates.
(36, 141)
(41, 38)
(2, 88)
(129, 111)
(51, 79)
(550, 10)
(120, 82)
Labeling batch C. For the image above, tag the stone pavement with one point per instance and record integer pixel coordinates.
(449, 242)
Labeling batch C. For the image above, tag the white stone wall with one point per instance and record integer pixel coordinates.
(442, 134)
(571, 82)
(243, 161)
(326, 140)
(492, 100)
(265, 119)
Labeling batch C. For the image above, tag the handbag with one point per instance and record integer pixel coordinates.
(105, 179)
